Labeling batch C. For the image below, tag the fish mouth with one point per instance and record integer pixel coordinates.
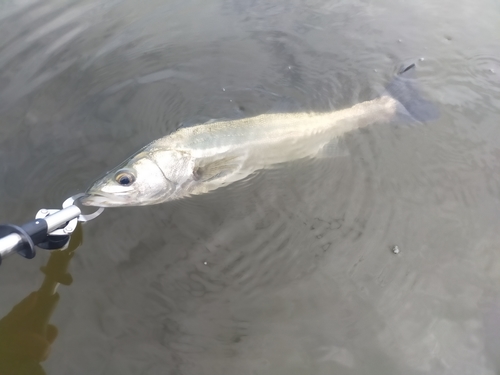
(102, 200)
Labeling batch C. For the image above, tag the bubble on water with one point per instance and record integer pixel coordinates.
(492, 70)
(205, 263)
(289, 67)
(231, 100)
(421, 59)
(395, 249)
(400, 40)
(223, 89)
(375, 70)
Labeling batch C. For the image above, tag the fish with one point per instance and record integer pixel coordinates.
(199, 159)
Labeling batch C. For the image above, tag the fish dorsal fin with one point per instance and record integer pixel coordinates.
(215, 167)
(196, 121)
(284, 105)
(211, 121)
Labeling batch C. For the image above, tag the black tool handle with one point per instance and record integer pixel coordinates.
(31, 233)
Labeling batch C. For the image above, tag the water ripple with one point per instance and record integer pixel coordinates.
(296, 257)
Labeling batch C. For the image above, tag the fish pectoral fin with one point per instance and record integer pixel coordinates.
(336, 147)
(213, 168)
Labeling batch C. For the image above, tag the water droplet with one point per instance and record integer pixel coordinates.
(205, 263)
(395, 249)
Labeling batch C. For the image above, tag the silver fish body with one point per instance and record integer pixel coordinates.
(199, 159)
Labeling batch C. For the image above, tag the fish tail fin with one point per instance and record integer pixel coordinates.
(404, 89)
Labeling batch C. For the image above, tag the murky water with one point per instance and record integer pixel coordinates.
(292, 271)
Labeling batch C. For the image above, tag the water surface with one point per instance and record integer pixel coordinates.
(290, 272)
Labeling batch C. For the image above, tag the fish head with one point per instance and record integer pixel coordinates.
(137, 182)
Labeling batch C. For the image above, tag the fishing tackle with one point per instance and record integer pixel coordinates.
(51, 230)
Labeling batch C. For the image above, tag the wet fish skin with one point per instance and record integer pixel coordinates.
(202, 158)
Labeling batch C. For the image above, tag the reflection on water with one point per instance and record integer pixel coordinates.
(25, 332)
(292, 271)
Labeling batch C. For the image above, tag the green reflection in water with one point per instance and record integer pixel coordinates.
(25, 332)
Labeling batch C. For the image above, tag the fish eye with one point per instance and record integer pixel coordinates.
(124, 178)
